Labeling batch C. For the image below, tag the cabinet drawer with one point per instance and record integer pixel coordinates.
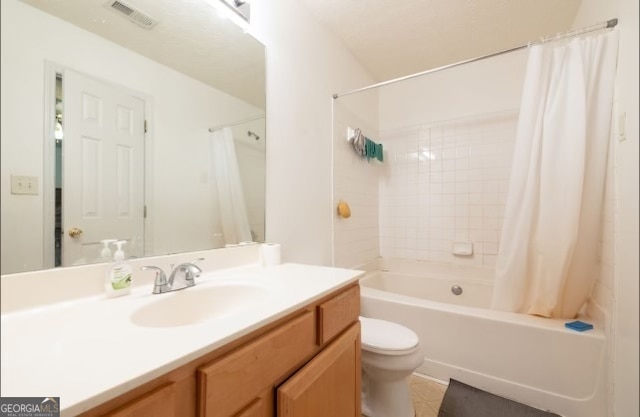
(158, 403)
(337, 314)
(233, 382)
(261, 406)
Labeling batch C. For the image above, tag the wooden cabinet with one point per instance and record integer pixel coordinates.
(237, 380)
(304, 364)
(261, 406)
(337, 313)
(158, 403)
(329, 385)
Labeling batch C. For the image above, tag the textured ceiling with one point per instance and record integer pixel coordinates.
(394, 38)
(189, 37)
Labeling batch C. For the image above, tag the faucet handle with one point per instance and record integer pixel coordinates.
(191, 271)
(192, 267)
(160, 283)
(198, 270)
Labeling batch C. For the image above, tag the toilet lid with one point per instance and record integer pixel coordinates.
(385, 335)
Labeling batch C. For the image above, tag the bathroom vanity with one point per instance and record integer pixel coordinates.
(288, 368)
(245, 341)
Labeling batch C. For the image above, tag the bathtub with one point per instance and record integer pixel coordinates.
(529, 359)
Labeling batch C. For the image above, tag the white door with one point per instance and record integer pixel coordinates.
(103, 166)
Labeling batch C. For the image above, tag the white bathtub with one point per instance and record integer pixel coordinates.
(529, 359)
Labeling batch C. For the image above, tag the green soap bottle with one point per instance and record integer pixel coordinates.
(118, 279)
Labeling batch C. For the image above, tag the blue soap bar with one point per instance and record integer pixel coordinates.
(578, 325)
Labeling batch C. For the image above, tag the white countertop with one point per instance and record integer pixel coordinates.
(88, 351)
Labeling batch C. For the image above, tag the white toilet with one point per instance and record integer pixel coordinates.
(390, 353)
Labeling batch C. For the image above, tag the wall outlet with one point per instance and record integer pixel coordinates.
(21, 184)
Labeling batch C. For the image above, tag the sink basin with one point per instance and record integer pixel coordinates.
(195, 305)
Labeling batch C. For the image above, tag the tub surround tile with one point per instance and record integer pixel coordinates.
(461, 167)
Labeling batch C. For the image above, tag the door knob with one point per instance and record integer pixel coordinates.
(74, 232)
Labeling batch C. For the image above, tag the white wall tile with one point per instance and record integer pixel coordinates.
(456, 196)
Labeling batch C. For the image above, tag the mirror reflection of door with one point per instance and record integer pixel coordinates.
(102, 169)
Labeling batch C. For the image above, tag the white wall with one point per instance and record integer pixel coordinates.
(450, 139)
(305, 65)
(183, 109)
(488, 86)
(355, 181)
(625, 366)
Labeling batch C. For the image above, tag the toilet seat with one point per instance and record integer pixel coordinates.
(386, 338)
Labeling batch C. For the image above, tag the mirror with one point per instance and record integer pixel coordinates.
(136, 120)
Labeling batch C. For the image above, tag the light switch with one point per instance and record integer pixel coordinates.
(21, 184)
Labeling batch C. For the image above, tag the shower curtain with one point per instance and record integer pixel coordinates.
(548, 255)
(233, 212)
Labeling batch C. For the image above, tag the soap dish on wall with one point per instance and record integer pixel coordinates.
(462, 248)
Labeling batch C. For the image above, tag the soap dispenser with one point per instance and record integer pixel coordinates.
(105, 253)
(118, 279)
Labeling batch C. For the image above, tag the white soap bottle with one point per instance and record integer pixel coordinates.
(118, 279)
(105, 253)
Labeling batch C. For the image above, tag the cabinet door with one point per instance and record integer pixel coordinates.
(237, 381)
(157, 403)
(329, 385)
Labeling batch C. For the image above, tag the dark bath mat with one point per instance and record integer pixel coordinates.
(462, 400)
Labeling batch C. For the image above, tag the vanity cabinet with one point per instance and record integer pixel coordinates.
(239, 380)
(158, 403)
(304, 364)
(329, 385)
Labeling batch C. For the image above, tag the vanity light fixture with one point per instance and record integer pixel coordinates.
(238, 11)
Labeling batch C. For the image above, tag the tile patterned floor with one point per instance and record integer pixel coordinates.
(427, 396)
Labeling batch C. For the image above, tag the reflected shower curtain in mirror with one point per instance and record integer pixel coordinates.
(548, 255)
(233, 211)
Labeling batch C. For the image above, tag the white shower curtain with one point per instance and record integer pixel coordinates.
(233, 212)
(547, 260)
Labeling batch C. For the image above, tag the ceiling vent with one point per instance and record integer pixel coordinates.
(138, 17)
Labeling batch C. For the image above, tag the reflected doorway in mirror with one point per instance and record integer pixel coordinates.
(98, 168)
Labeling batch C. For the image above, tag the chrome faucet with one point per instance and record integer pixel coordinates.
(187, 272)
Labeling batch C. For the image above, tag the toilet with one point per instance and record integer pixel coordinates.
(390, 353)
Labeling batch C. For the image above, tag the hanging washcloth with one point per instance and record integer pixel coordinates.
(379, 152)
(373, 150)
(369, 148)
(359, 142)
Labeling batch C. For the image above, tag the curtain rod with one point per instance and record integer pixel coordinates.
(603, 25)
(239, 122)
